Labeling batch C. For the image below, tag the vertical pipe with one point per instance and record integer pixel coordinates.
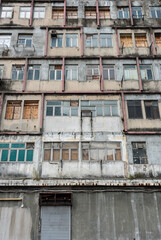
(139, 74)
(82, 45)
(42, 111)
(131, 17)
(1, 104)
(46, 42)
(124, 112)
(63, 75)
(64, 13)
(101, 74)
(117, 42)
(153, 44)
(25, 75)
(98, 15)
(31, 12)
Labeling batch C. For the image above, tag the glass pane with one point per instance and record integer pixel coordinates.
(57, 111)
(114, 111)
(4, 156)
(20, 77)
(74, 154)
(110, 154)
(65, 154)
(4, 145)
(58, 75)
(28, 42)
(18, 145)
(21, 155)
(13, 155)
(29, 157)
(56, 154)
(52, 75)
(37, 73)
(53, 42)
(47, 155)
(99, 111)
(49, 111)
(66, 111)
(107, 111)
(85, 155)
(30, 74)
(68, 42)
(60, 42)
(74, 111)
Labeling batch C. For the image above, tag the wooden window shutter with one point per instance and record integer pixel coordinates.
(31, 110)
(13, 110)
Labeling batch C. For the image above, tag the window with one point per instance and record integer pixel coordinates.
(57, 40)
(71, 72)
(108, 72)
(61, 151)
(139, 153)
(101, 151)
(62, 108)
(123, 13)
(105, 40)
(90, 13)
(99, 108)
(5, 40)
(17, 72)
(39, 12)
(104, 13)
(25, 40)
(126, 40)
(31, 109)
(93, 72)
(140, 40)
(72, 13)
(6, 12)
(71, 40)
(16, 152)
(134, 109)
(146, 72)
(151, 109)
(33, 72)
(158, 39)
(137, 12)
(130, 72)
(91, 40)
(13, 110)
(1, 71)
(25, 12)
(58, 12)
(155, 12)
(55, 72)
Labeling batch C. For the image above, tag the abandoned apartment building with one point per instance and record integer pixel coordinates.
(80, 120)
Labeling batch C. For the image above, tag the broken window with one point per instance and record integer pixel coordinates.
(16, 152)
(56, 40)
(5, 41)
(134, 109)
(146, 72)
(33, 72)
(140, 40)
(137, 12)
(151, 109)
(17, 72)
(91, 40)
(55, 72)
(139, 153)
(31, 109)
(25, 40)
(105, 40)
(71, 40)
(6, 12)
(158, 39)
(25, 12)
(90, 13)
(104, 13)
(123, 13)
(108, 72)
(58, 12)
(130, 72)
(93, 72)
(72, 13)
(62, 108)
(71, 72)
(56, 151)
(13, 110)
(126, 40)
(39, 12)
(155, 12)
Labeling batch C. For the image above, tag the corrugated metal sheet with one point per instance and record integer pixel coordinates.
(55, 223)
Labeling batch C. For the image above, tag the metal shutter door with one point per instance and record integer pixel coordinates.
(55, 223)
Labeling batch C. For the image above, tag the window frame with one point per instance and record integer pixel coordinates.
(109, 68)
(136, 11)
(13, 104)
(70, 11)
(71, 69)
(135, 109)
(91, 39)
(56, 45)
(18, 72)
(106, 37)
(122, 11)
(130, 68)
(90, 13)
(155, 10)
(138, 41)
(6, 12)
(55, 72)
(25, 12)
(71, 37)
(31, 106)
(25, 38)
(35, 69)
(126, 44)
(6, 40)
(146, 68)
(59, 13)
(137, 149)
(154, 110)
(104, 13)
(92, 68)
(39, 12)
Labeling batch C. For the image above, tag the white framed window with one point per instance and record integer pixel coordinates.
(146, 72)
(137, 12)
(155, 12)
(6, 12)
(25, 40)
(55, 72)
(18, 72)
(39, 12)
(5, 40)
(56, 40)
(33, 72)
(93, 72)
(25, 12)
(123, 13)
(130, 72)
(71, 72)
(108, 72)
(106, 40)
(91, 40)
(71, 40)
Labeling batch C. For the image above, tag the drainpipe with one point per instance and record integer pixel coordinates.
(63, 75)
(46, 41)
(153, 44)
(1, 104)
(124, 112)
(31, 12)
(117, 42)
(98, 15)
(139, 74)
(42, 111)
(82, 45)
(131, 16)
(25, 76)
(101, 74)
(64, 13)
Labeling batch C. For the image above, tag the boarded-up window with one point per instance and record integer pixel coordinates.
(140, 40)
(104, 13)
(72, 13)
(13, 110)
(57, 12)
(139, 152)
(126, 40)
(90, 13)
(31, 110)
(158, 39)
